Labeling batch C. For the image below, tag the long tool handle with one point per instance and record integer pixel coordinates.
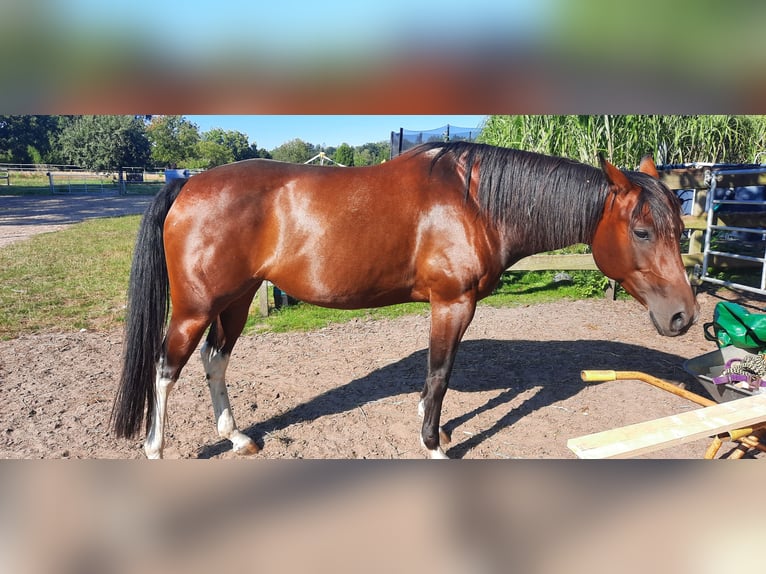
(604, 376)
(598, 376)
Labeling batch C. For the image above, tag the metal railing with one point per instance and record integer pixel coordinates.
(735, 248)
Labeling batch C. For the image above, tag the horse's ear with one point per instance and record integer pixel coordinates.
(617, 180)
(647, 166)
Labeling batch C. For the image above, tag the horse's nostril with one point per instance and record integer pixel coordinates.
(678, 322)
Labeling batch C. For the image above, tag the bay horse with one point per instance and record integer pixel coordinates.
(437, 224)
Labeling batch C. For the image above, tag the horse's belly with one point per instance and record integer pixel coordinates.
(345, 286)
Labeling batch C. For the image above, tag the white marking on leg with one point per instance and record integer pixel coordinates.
(215, 368)
(155, 439)
(436, 454)
(421, 408)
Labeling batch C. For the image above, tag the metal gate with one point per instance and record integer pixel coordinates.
(741, 234)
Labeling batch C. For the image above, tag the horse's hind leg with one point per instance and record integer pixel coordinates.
(215, 354)
(181, 340)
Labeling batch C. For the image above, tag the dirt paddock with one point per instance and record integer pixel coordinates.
(351, 390)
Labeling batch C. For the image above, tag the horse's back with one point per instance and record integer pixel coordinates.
(343, 237)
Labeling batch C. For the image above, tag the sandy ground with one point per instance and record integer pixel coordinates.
(351, 390)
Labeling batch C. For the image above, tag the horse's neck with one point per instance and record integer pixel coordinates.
(568, 222)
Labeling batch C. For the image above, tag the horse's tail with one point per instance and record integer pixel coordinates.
(147, 313)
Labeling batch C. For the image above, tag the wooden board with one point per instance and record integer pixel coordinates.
(576, 262)
(690, 177)
(558, 262)
(662, 433)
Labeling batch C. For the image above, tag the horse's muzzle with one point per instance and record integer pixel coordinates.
(678, 324)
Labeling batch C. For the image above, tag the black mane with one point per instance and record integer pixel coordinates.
(553, 201)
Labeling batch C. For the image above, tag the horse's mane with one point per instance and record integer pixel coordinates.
(554, 200)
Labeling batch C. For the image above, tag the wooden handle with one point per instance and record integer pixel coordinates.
(606, 376)
(598, 376)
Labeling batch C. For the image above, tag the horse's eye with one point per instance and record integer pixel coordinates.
(642, 234)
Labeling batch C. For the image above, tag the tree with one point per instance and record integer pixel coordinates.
(344, 155)
(232, 140)
(105, 143)
(27, 139)
(372, 153)
(254, 152)
(174, 140)
(294, 151)
(210, 154)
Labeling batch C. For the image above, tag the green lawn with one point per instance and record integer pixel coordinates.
(70, 279)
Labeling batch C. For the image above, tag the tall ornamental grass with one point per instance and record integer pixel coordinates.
(624, 139)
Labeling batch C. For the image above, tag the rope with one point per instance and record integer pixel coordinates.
(748, 373)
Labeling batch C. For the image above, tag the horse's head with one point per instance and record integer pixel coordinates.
(637, 244)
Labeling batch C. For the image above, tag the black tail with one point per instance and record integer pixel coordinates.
(147, 313)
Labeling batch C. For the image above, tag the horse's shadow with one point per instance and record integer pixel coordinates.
(484, 365)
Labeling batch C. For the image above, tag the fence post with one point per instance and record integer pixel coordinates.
(697, 236)
(263, 299)
(50, 182)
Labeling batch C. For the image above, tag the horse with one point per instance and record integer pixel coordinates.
(437, 224)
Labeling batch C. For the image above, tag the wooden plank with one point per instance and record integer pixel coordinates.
(692, 259)
(724, 179)
(562, 262)
(744, 219)
(577, 262)
(694, 178)
(692, 222)
(658, 434)
(684, 178)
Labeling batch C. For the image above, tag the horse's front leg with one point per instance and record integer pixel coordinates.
(449, 321)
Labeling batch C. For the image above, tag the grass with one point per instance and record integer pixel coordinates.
(131, 189)
(27, 183)
(77, 279)
(305, 317)
(71, 279)
(30, 189)
(27, 179)
(626, 138)
(37, 183)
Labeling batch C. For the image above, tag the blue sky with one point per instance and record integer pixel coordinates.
(270, 131)
(303, 29)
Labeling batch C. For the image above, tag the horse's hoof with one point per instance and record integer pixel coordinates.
(152, 452)
(435, 454)
(438, 454)
(244, 445)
